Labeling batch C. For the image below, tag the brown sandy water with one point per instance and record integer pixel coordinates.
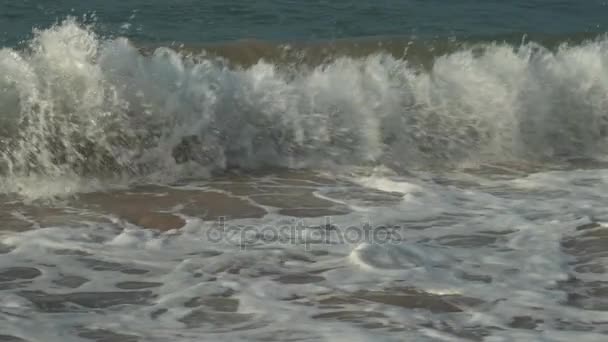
(133, 253)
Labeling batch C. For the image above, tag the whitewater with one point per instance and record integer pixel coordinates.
(74, 105)
(384, 193)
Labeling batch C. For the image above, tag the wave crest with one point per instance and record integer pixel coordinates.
(73, 103)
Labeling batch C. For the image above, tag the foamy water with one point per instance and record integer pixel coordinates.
(75, 105)
(461, 202)
(477, 259)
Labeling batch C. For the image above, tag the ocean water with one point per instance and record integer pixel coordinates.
(194, 21)
(303, 171)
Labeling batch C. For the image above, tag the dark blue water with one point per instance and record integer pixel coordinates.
(219, 20)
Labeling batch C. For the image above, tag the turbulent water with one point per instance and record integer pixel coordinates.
(375, 188)
(76, 105)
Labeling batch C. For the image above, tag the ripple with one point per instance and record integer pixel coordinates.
(70, 281)
(18, 273)
(107, 336)
(9, 338)
(137, 285)
(93, 300)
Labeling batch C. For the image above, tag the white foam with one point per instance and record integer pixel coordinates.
(76, 105)
(523, 268)
(491, 241)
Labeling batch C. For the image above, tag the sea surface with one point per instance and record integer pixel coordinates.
(303, 171)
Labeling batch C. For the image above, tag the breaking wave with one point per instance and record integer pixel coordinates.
(74, 105)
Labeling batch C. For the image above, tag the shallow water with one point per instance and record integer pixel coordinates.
(303, 172)
(453, 257)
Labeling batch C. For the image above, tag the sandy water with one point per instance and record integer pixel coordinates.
(491, 254)
(427, 190)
